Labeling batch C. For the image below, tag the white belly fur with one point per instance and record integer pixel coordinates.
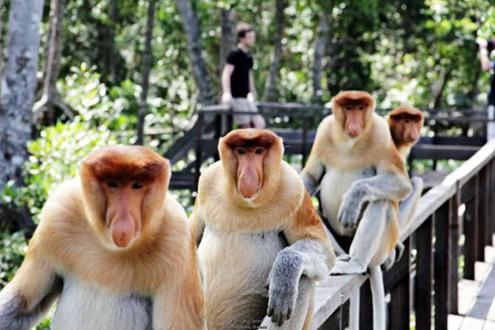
(333, 185)
(84, 306)
(235, 266)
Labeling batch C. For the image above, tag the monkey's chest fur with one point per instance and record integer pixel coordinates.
(85, 306)
(235, 268)
(334, 185)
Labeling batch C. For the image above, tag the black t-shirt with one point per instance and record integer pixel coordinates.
(239, 81)
(491, 95)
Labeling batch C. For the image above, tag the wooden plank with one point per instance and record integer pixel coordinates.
(424, 275)
(473, 165)
(400, 308)
(435, 152)
(427, 205)
(484, 298)
(470, 226)
(489, 325)
(470, 323)
(455, 322)
(365, 306)
(453, 140)
(441, 270)
(453, 263)
(483, 201)
(331, 293)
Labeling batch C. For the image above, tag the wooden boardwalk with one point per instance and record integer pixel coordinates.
(477, 297)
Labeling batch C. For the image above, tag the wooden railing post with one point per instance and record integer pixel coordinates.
(483, 214)
(400, 294)
(471, 226)
(445, 269)
(424, 275)
(304, 139)
(454, 250)
(198, 149)
(365, 308)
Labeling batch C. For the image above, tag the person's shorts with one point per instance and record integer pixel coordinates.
(242, 104)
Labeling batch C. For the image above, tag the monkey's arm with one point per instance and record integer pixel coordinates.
(408, 205)
(180, 305)
(29, 295)
(312, 174)
(383, 186)
(309, 253)
(406, 212)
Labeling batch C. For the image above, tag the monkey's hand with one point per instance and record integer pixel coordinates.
(283, 283)
(394, 257)
(350, 208)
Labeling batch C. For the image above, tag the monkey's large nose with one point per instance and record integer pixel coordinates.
(123, 231)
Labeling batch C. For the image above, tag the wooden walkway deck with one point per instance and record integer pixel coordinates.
(477, 297)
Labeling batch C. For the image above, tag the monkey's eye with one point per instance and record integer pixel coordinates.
(241, 150)
(361, 107)
(259, 150)
(112, 183)
(348, 107)
(137, 185)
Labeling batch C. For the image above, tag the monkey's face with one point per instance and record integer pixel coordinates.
(123, 218)
(405, 125)
(123, 188)
(252, 159)
(249, 175)
(353, 110)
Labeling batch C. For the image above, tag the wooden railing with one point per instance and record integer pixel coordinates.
(200, 142)
(422, 286)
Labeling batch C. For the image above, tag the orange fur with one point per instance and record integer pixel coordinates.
(69, 242)
(306, 224)
(394, 119)
(280, 206)
(374, 148)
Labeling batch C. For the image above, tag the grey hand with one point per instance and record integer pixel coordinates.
(350, 208)
(283, 286)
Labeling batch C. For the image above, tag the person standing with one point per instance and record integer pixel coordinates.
(237, 80)
(485, 48)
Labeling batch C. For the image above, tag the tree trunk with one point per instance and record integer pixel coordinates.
(17, 88)
(200, 72)
(439, 95)
(271, 82)
(50, 97)
(147, 59)
(228, 38)
(113, 54)
(319, 54)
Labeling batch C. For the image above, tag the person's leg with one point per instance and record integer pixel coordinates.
(239, 105)
(490, 126)
(257, 120)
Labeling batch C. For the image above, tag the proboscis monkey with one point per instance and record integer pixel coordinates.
(114, 247)
(405, 124)
(362, 179)
(255, 225)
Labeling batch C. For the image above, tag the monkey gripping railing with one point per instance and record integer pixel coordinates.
(422, 286)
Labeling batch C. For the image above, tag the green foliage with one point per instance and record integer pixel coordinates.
(12, 251)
